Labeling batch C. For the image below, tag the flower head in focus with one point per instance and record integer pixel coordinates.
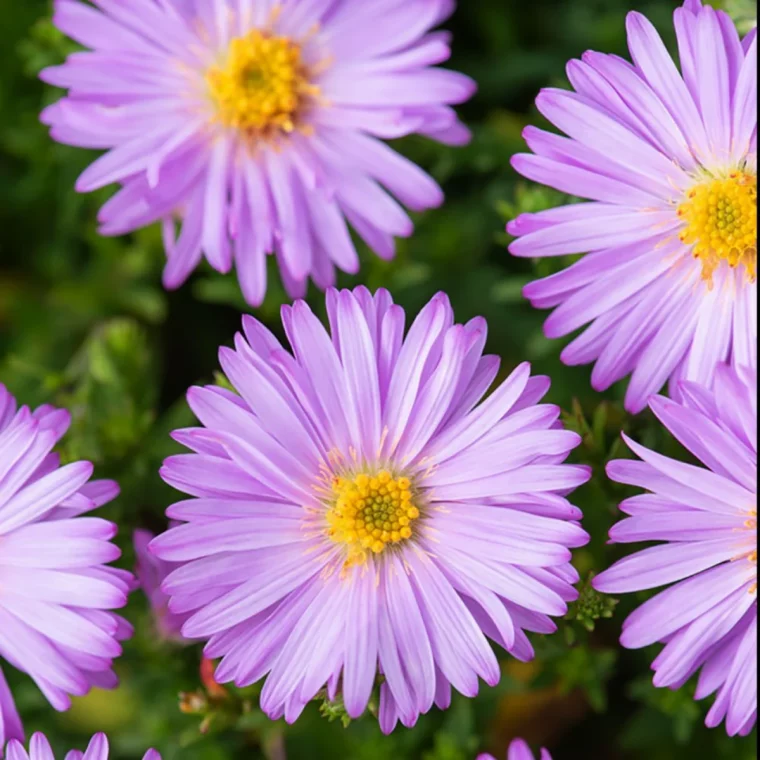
(56, 591)
(668, 162)
(706, 521)
(360, 507)
(40, 749)
(258, 127)
(150, 573)
(519, 750)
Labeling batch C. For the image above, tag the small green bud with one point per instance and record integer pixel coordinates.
(334, 711)
(591, 606)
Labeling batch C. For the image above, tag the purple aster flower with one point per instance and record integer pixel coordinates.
(150, 572)
(258, 125)
(358, 507)
(519, 750)
(55, 588)
(668, 161)
(708, 521)
(40, 749)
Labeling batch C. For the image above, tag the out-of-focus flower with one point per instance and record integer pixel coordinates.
(360, 507)
(56, 591)
(519, 750)
(669, 163)
(258, 126)
(40, 749)
(707, 518)
(150, 572)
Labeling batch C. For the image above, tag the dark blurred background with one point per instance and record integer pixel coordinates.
(85, 324)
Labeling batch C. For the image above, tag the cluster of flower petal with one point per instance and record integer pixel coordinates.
(40, 749)
(258, 127)
(56, 591)
(668, 163)
(369, 509)
(360, 506)
(519, 750)
(705, 519)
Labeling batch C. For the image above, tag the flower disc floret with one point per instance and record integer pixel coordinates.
(256, 129)
(721, 223)
(370, 512)
(262, 86)
(362, 507)
(666, 157)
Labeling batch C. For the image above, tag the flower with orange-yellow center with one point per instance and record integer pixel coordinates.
(262, 87)
(666, 156)
(256, 129)
(370, 513)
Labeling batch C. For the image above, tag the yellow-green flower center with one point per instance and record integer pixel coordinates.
(262, 87)
(720, 216)
(369, 512)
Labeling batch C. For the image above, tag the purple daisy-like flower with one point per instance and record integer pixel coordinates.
(259, 125)
(519, 750)
(150, 572)
(40, 749)
(56, 591)
(360, 508)
(668, 161)
(708, 521)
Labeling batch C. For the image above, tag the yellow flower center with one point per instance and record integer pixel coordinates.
(263, 86)
(721, 223)
(369, 512)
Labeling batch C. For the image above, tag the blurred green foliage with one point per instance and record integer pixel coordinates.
(84, 324)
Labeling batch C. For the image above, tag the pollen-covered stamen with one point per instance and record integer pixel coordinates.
(751, 524)
(370, 512)
(720, 215)
(263, 86)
